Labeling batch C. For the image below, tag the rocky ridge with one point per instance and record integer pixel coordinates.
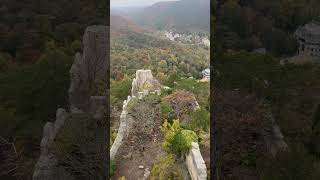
(86, 69)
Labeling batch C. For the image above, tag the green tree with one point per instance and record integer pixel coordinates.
(200, 119)
(43, 24)
(121, 89)
(167, 112)
(177, 139)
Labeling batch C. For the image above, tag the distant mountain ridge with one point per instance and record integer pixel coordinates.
(122, 24)
(183, 16)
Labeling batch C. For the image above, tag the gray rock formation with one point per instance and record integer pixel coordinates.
(89, 67)
(123, 130)
(97, 106)
(85, 71)
(47, 161)
(144, 81)
(195, 163)
(274, 138)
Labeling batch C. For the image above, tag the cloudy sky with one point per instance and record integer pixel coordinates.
(128, 3)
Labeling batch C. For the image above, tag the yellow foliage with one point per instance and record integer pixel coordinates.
(169, 131)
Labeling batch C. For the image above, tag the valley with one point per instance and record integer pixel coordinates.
(155, 132)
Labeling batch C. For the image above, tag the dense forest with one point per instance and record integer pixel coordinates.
(38, 40)
(252, 24)
(248, 86)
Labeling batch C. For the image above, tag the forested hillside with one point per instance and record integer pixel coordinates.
(132, 50)
(183, 16)
(251, 24)
(264, 84)
(38, 40)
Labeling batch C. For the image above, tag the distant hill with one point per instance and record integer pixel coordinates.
(121, 24)
(183, 16)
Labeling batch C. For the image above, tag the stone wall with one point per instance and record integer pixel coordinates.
(195, 163)
(123, 130)
(138, 91)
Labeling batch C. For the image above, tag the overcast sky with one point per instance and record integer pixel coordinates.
(128, 3)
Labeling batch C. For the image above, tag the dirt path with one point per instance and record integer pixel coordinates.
(143, 147)
(130, 157)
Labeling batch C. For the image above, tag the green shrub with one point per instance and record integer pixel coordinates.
(200, 119)
(152, 99)
(112, 168)
(121, 89)
(166, 169)
(287, 165)
(167, 112)
(176, 139)
(132, 104)
(31, 91)
(76, 146)
(181, 142)
(113, 135)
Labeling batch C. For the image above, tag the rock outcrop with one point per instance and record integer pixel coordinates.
(144, 81)
(85, 71)
(47, 161)
(274, 138)
(142, 85)
(195, 163)
(89, 67)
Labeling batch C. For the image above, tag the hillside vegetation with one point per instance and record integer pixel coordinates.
(262, 84)
(38, 40)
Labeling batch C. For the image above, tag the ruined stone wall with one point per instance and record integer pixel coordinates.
(144, 81)
(195, 163)
(123, 130)
(138, 91)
